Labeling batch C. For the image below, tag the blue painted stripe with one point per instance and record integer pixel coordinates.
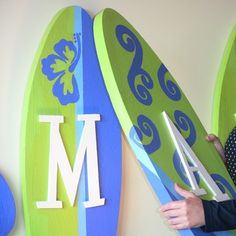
(102, 220)
(79, 125)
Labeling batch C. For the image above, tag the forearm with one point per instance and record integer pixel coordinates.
(219, 215)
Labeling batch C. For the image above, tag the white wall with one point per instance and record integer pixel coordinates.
(188, 35)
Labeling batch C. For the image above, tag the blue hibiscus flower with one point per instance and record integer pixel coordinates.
(61, 66)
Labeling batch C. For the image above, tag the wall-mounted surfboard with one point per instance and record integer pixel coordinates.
(7, 208)
(141, 89)
(71, 160)
(224, 119)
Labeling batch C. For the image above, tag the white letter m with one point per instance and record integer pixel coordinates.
(58, 160)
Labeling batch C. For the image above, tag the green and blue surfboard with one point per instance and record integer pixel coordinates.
(224, 110)
(141, 88)
(65, 83)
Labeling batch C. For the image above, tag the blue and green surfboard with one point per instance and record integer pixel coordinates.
(66, 81)
(224, 110)
(141, 88)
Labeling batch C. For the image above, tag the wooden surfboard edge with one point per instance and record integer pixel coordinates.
(100, 44)
(219, 82)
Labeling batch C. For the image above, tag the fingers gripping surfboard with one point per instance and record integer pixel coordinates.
(70, 162)
(141, 89)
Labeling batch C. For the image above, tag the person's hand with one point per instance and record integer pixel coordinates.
(183, 214)
(218, 146)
